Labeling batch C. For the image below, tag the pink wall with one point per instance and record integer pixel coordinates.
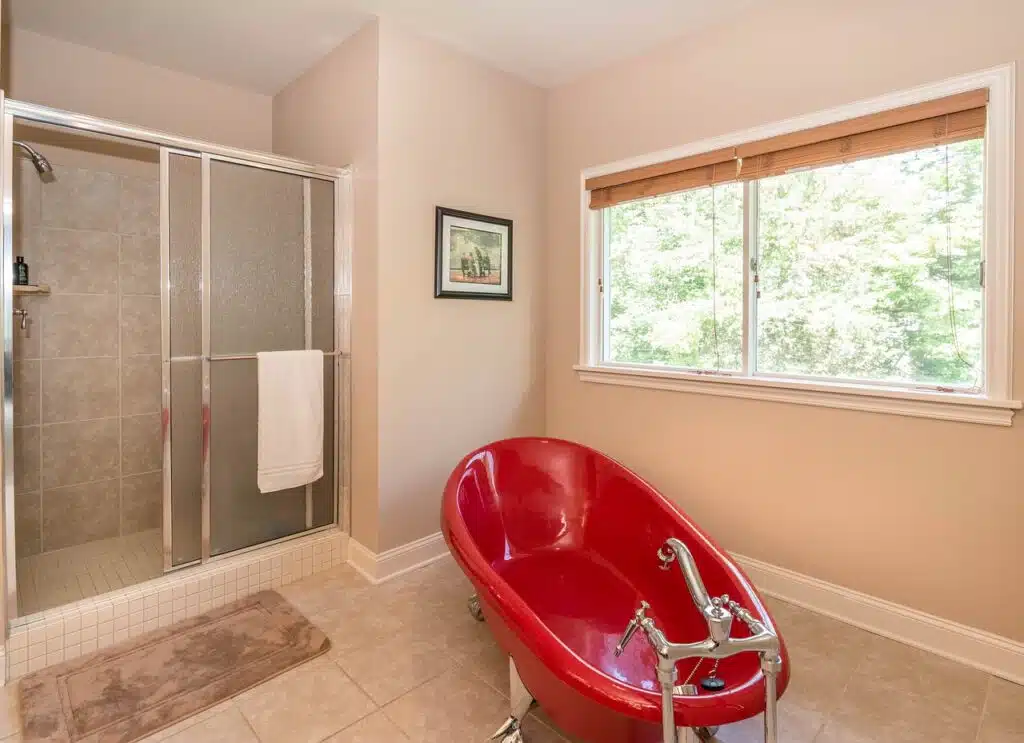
(76, 78)
(924, 513)
(426, 126)
(453, 374)
(329, 115)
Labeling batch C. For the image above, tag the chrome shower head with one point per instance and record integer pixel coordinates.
(41, 164)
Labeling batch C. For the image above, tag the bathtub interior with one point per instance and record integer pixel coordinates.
(575, 535)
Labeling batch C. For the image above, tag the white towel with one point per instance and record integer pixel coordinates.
(290, 449)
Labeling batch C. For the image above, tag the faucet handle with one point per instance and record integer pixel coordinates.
(666, 556)
(632, 627)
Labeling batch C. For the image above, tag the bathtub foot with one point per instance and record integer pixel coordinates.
(510, 732)
(706, 735)
(521, 701)
(474, 608)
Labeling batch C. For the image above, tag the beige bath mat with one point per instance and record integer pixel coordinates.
(124, 693)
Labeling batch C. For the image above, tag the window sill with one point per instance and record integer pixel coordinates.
(893, 400)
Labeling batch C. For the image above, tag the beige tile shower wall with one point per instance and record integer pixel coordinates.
(87, 369)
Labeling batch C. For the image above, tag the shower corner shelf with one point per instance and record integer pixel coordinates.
(31, 289)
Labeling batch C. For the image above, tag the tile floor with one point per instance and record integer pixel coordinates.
(449, 682)
(74, 573)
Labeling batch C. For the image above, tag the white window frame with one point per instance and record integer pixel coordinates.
(994, 404)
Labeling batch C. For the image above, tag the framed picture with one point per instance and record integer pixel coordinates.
(474, 256)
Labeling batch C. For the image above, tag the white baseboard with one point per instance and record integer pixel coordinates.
(985, 651)
(378, 568)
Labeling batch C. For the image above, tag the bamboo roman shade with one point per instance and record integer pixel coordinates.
(942, 121)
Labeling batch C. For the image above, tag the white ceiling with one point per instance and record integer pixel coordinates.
(262, 45)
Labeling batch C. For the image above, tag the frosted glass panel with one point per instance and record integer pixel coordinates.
(186, 461)
(321, 214)
(184, 253)
(256, 260)
(257, 303)
(323, 489)
(322, 247)
(240, 515)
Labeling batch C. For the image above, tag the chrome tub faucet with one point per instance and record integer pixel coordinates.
(718, 612)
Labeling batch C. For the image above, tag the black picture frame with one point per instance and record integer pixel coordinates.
(478, 276)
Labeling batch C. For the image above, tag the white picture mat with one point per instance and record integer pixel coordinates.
(447, 284)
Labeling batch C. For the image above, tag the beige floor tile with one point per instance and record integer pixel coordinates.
(188, 722)
(10, 717)
(908, 670)
(454, 707)
(376, 728)
(354, 624)
(871, 713)
(1003, 721)
(485, 660)
(538, 715)
(536, 731)
(449, 624)
(816, 684)
(808, 634)
(305, 705)
(325, 590)
(796, 725)
(387, 670)
(436, 592)
(227, 726)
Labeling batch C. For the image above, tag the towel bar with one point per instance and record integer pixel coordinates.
(241, 357)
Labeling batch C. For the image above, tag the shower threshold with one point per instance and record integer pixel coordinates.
(71, 630)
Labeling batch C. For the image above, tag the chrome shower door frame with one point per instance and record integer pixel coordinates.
(340, 354)
(207, 152)
(10, 592)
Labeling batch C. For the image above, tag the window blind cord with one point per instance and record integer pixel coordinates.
(949, 275)
(714, 278)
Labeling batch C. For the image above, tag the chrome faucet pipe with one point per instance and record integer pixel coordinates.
(676, 550)
(714, 609)
(771, 664)
(667, 679)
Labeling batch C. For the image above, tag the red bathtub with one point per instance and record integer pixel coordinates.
(561, 545)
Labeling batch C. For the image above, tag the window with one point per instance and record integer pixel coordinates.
(847, 261)
(871, 270)
(675, 285)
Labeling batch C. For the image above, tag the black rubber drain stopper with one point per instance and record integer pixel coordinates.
(712, 683)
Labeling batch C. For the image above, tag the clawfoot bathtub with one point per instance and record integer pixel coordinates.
(571, 554)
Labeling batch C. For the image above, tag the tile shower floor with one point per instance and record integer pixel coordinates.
(74, 573)
(409, 664)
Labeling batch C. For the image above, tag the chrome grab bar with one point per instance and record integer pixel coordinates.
(719, 613)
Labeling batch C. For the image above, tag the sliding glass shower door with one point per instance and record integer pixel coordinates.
(129, 419)
(252, 266)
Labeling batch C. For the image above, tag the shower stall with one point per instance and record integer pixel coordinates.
(158, 267)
